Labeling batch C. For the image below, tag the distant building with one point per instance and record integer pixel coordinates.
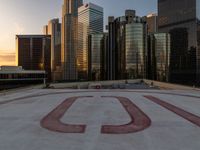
(127, 46)
(14, 76)
(90, 20)
(159, 49)
(152, 23)
(33, 52)
(181, 18)
(69, 38)
(54, 29)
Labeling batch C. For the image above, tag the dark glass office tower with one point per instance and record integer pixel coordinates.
(69, 38)
(120, 53)
(104, 57)
(111, 49)
(34, 52)
(180, 18)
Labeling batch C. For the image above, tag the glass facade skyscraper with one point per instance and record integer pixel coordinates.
(136, 50)
(162, 56)
(69, 38)
(180, 19)
(94, 56)
(127, 46)
(90, 20)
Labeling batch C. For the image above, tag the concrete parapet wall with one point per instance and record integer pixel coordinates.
(170, 86)
(80, 85)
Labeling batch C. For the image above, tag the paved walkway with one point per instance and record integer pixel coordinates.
(100, 120)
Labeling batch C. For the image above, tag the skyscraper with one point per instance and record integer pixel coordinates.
(127, 39)
(181, 18)
(69, 38)
(54, 29)
(90, 20)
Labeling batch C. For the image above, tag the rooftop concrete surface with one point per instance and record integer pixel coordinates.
(105, 119)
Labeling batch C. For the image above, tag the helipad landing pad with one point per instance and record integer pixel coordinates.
(100, 120)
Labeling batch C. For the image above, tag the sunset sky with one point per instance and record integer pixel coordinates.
(29, 16)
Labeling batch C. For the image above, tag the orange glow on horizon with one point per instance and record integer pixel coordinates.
(7, 58)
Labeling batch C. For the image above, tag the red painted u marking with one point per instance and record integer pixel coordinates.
(52, 120)
(139, 120)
